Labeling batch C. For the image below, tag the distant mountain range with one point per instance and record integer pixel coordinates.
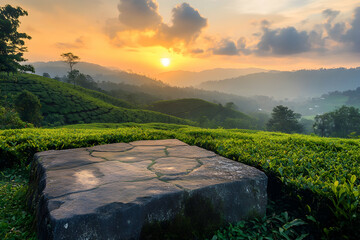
(291, 85)
(305, 91)
(192, 79)
(99, 73)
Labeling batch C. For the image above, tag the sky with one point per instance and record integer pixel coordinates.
(134, 35)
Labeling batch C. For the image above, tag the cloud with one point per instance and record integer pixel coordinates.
(334, 31)
(187, 23)
(352, 35)
(330, 14)
(230, 48)
(140, 24)
(142, 19)
(338, 31)
(139, 14)
(283, 41)
(80, 42)
(241, 44)
(226, 47)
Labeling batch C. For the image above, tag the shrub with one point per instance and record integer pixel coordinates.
(9, 119)
(28, 106)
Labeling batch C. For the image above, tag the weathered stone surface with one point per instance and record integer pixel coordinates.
(112, 191)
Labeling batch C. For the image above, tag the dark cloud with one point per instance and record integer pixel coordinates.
(338, 31)
(80, 42)
(139, 14)
(230, 48)
(187, 23)
(241, 45)
(352, 36)
(330, 14)
(226, 47)
(335, 31)
(284, 41)
(317, 41)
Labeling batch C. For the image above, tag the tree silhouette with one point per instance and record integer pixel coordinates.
(284, 120)
(70, 59)
(11, 41)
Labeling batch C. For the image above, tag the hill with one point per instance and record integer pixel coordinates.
(329, 102)
(150, 93)
(63, 103)
(295, 84)
(208, 114)
(188, 78)
(99, 73)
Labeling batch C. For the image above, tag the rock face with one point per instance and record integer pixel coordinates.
(119, 191)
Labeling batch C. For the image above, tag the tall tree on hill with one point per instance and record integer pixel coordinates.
(284, 120)
(11, 41)
(71, 59)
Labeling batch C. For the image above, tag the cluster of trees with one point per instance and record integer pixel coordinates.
(343, 122)
(74, 76)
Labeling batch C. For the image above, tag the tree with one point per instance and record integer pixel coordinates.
(11, 41)
(29, 108)
(342, 122)
(230, 105)
(70, 59)
(47, 75)
(324, 124)
(72, 76)
(284, 120)
(86, 81)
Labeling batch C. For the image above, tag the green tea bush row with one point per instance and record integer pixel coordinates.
(64, 103)
(322, 173)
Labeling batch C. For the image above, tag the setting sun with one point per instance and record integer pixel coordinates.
(165, 62)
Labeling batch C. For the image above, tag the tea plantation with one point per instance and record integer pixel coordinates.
(68, 104)
(316, 179)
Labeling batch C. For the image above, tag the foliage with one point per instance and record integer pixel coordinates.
(207, 114)
(70, 59)
(29, 108)
(276, 226)
(322, 173)
(47, 75)
(15, 221)
(342, 122)
(307, 125)
(284, 120)
(11, 41)
(9, 119)
(77, 104)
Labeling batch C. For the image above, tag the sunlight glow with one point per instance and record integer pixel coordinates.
(165, 62)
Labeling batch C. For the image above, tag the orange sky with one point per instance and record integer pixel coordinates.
(197, 35)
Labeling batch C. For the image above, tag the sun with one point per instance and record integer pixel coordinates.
(165, 61)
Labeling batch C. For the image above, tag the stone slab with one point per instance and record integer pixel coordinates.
(112, 191)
